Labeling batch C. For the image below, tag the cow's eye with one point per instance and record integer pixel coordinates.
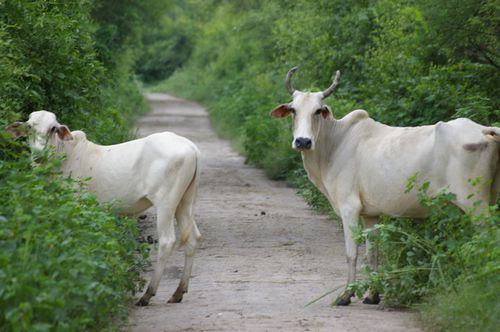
(52, 129)
(292, 110)
(318, 111)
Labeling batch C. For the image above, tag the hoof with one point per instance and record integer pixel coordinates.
(177, 296)
(142, 302)
(372, 299)
(344, 299)
(344, 302)
(175, 299)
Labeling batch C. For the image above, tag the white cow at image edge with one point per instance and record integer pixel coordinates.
(363, 166)
(160, 170)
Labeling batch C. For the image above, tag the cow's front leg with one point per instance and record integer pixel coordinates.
(350, 215)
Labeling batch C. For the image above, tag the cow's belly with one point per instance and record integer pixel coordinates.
(401, 208)
(127, 197)
(390, 198)
(132, 209)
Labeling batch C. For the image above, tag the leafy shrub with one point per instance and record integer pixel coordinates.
(66, 262)
(471, 305)
(166, 47)
(50, 62)
(451, 260)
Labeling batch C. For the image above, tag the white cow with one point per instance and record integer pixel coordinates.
(161, 170)
(363, 166)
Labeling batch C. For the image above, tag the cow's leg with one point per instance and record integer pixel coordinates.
(371, 255)
(189, 238)
(349, 212)
(166, 241)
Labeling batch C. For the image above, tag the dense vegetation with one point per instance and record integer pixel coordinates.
(406, 63)
(451, 261)
(66, 262)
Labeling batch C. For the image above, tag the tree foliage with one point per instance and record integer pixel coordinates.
(74, 59)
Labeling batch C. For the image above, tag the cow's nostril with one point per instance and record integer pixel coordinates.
(303, 143)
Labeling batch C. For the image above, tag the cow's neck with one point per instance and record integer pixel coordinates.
(316, 162)
(329, 156)
(74, 160)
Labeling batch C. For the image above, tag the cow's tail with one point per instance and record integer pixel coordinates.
(493, 134)
(186, 206)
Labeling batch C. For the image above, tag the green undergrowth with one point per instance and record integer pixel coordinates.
(66, 262)
(447, 265)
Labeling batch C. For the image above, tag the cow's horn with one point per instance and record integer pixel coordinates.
(288, 80)
(332, 87)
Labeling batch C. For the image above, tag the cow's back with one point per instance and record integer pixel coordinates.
(145, 163)
(450, 156)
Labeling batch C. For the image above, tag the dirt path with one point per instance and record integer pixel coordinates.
(264, 254)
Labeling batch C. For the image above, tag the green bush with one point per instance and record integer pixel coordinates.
(166, 46)
(66, 262)
(50, 61)
(471, 305)
(451, 259)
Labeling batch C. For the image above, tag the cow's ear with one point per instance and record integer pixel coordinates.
(282, 111)
(64, 133)
(326, 112)
(16, 129)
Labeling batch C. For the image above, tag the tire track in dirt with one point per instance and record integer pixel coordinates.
(264, 253)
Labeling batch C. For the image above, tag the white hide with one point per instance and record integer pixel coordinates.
(161, 170)
(363, 166)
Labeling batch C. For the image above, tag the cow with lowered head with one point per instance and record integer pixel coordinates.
(160, 170)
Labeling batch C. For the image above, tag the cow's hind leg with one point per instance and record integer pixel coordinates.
(371, 254)
(166, 241)
(349, 213)
(189, 238)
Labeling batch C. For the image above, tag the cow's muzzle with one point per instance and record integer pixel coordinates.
(303, 143)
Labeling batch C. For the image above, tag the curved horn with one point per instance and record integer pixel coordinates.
(332, 87)
(288, 80)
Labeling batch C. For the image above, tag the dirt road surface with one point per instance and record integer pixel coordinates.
(265, 254)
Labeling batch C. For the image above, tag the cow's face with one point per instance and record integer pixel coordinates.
(307, 110)
(44, 130)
